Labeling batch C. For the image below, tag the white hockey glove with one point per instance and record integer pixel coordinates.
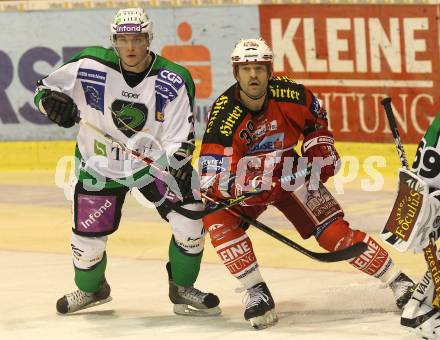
(419, 315)
(415, 214)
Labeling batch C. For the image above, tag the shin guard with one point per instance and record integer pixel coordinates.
(185, 267)
(89, 260)
(90, 280)
(236, 252)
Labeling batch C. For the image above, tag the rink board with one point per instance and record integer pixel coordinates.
(44, 155)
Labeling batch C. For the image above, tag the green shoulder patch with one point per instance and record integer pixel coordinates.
(106, 56)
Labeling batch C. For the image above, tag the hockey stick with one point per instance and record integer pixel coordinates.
(386, 102)
(340, 255)
(430, 252)
(194, 215)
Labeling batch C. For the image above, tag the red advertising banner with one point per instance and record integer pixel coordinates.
(352, 56)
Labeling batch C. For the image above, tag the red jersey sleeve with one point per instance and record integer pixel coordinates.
(315, 116)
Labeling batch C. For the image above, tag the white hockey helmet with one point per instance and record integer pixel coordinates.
(252, 51)
(132, 21)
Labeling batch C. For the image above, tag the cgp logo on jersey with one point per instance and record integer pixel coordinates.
(268, 144)
(166, 87)
(128, 117)
(171, 77)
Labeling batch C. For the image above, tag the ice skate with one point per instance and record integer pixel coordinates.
(419, 315)
(260, 307)
(190, 301)
(402, 288)
(78, 300)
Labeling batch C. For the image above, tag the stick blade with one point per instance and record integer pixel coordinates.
(343, 254)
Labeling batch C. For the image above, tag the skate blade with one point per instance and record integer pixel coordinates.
(187, 310)
(422, 335)
(93, 304)
(264, 321)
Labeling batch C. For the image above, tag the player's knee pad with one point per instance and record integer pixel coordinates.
(223, 232)
(189, 235)
(87, 251)
(336, 234)
(189, 245)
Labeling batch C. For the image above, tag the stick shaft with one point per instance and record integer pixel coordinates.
(395, 131)
(341, 255)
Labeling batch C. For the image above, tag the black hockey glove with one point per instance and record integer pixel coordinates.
(182, 172)
(59, 108)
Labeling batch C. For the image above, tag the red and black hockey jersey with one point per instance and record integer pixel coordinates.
(234, 132)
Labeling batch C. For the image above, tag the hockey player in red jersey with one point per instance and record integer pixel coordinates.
(249, 144)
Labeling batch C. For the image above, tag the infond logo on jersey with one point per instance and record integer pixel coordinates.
(129, 28)
(130, 95)
(269, 143)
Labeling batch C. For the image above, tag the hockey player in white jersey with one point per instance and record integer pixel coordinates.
(415, 216)
(144, 101)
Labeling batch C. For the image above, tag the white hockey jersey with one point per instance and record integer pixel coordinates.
(154, 117)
